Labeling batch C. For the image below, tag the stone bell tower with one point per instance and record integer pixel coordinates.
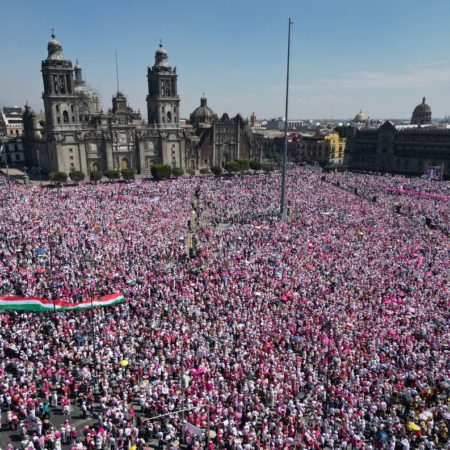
(163, 102)
(163, 109)
(60, 100)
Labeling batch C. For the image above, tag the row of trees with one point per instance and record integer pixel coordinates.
(77, 175)
(162, 171)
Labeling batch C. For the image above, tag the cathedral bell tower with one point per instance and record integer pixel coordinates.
(60, 101)
(163, 102)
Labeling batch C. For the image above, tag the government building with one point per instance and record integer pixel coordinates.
(76, 134)
(412, 149)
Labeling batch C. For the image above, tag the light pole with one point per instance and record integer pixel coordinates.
(3, 151)
(283, 215)
(38, 154)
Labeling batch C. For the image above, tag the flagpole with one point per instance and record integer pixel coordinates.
(283, 215)
(94, 353)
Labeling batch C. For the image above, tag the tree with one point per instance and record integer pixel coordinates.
(267, 167)
(244, 163)
(95, 176)
(128, 174)
(232, 166)
(76, 176)
(58, 177)
(190, 171)
(112, 174)
(160, 171)
(216, 170)
(255, 165)
(204, 171)
(177, 172)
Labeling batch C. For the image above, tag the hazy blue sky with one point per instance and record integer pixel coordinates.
(381, 56)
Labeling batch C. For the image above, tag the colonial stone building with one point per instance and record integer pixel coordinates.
(408, 150)
(213, 141)
(78, 135)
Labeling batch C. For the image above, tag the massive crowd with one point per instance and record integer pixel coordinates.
(330, 330)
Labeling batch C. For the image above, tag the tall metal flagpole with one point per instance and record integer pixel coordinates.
(283, 214)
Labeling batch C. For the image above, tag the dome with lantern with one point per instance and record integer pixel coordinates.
(360, 117)
(421, 114)
(54, 49)
(203, 114)
(161, 58)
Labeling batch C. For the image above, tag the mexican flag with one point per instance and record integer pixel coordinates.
(38, 304)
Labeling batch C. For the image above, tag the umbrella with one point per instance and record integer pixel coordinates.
(412, 426)
(446, 416)
(124, 363)
(41, 250)
(132, 282)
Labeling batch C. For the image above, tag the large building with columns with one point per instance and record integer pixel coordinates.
(77, 135)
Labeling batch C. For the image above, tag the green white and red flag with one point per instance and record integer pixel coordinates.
(38, 304)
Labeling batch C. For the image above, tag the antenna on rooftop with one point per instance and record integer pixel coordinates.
(117, 73)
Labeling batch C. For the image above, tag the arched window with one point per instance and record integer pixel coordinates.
(95, 167)
(169, 116)
(65, 117)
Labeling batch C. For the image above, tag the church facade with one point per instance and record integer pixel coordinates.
(77, 135)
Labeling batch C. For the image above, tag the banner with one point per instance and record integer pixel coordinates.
(193, 429)
(38, 304)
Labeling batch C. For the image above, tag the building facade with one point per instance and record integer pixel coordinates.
(408, 151)
(78, 135)
(11, 122)
(11, 132)
(213, 141)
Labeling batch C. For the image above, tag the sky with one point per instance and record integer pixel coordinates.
(379, 56)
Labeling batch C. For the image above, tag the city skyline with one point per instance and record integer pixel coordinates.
(346, 57)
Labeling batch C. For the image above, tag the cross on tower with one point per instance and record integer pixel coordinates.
(53, 33)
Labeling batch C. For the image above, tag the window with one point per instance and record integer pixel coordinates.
(73, 118)
(71, 108)
(58, 119)
(66, 117)
(57, 108)
(17, 157)
(70, 150)
(71, 158)
(169, 117)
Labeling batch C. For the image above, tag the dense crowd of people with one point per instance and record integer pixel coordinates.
(330, 330)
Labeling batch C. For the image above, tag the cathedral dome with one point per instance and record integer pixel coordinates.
(202, 114)
(360, 117)
(54, 49)
(421, 114)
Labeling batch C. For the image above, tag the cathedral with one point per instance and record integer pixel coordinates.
(77, 135)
